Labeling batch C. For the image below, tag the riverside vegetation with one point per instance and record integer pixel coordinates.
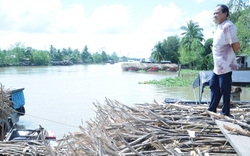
(185, 80)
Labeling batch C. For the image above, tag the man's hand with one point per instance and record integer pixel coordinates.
(236, 47)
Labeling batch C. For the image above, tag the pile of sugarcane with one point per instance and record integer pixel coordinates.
(152, 129)
(5, 103)
(27, 148)
(5, 108)
(149, 129)
(146, 66)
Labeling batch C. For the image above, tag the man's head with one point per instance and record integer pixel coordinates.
(221, 13)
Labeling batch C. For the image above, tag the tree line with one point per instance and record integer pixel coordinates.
(18, 55)
(193, 50)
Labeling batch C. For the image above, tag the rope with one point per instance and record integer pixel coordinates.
(189, 90)
(47, 119)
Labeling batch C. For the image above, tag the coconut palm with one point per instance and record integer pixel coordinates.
(158, 52)
(191, 32)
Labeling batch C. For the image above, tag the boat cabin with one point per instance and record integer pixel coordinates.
(243, 61)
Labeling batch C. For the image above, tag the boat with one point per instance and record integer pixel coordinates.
(30, 134)
(153, 69)
(240, 78)
(111, 62)
(12, 102)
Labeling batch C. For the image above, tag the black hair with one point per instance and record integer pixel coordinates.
(224, 8)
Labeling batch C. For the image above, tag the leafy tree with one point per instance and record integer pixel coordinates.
(104, 56)
(53, 53)
(114, 56)
(235, 8)
(59, 55)
(90, 59)
(240, 14)
(69, 51)
(28, 53)
(86, 56)
(75, 57)
(64, 52)
(2, 58)
(191, 32)
(243, 27)
(171, 47)
(97, 58)
(207, 56)
(210, 62)
(184, 57)
(19, 53)
(191, 46)
(198, 50)
(208, 46)
(41, 58)
(15, 54)
(194, 57)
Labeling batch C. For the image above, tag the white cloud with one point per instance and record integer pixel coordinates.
(106, 29)
(164, 22)
(205, 20)
(111, 19)
(40, 24)
(71, 20)
(46, 23)
(28, 15)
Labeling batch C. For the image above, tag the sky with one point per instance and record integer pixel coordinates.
(130, 28)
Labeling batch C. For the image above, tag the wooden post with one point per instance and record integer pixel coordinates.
(179, 69)
(235, 93)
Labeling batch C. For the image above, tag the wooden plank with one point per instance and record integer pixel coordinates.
(240, 143)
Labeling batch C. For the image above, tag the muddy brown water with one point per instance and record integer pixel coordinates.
(60, 98)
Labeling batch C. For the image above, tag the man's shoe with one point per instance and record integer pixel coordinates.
(204, 114)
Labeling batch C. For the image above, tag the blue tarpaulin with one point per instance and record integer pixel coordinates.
(18, 99)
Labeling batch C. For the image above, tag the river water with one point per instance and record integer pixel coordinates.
(60, 98)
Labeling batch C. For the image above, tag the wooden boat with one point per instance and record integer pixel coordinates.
(28, 142)
(16, 134)
(239, 79)
(12, 103)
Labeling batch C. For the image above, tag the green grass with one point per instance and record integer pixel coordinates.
(189, 71)
(186, 79)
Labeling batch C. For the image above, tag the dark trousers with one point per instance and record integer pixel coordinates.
(220, 86)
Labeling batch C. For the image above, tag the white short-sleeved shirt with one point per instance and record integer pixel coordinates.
(223, 54)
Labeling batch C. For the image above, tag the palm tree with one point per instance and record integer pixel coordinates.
(158, 52)
(191, 32)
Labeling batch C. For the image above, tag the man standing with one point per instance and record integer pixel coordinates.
(225, 47)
